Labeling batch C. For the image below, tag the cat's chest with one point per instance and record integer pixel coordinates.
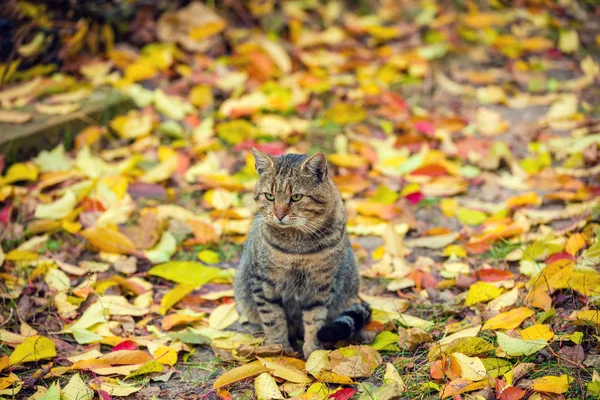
(294, 279)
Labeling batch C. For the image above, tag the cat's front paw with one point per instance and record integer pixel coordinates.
(309, 347)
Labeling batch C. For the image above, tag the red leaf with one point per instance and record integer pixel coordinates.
(424, 127)
(183, 163)
(493, 275)
(512, 393)
(104, 395)
(415, 197)
(126, 345)
(431, 170)
(273, 148)
(562, 255)
(92, 205)
(344, 394)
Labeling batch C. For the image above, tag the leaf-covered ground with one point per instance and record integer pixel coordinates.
(464, 140)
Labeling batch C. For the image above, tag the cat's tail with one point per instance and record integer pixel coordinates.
(346, 324)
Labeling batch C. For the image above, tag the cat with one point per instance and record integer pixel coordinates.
(298, 276)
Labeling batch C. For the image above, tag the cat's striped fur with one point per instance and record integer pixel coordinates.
(298, 276)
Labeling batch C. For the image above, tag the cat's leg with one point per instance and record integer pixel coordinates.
(314, 317)
(271, 312)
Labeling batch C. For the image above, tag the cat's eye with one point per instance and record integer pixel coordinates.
(269, 196)
(297, 197)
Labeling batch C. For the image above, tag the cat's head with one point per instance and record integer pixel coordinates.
(293, 190)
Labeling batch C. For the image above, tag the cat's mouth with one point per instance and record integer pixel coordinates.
(285, 222)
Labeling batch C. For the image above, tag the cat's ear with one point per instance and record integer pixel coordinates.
(316, 165)
(262, 161)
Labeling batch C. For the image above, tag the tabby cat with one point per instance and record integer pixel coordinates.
(298, 275)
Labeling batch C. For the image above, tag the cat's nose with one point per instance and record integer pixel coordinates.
(281, 212)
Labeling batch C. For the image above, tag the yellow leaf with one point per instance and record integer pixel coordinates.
(22, 90)
(57, 109)
(190, 272)
(20, 172)
(164, 249)
(33, 348)
(109, 240)
(471, 368)
(586, 316)
(220, 199)
(508, 320)
(149, 367)
(207, 30)
(58, 209)
(552, 384)
(471, 217)
(140, 70)
(391, 375)
(348, 160)
(278, 54)
(568, 41)
(115, 388)
(201, 96)
(76, 389)
(283, 369)
(14, 117)
(489, 122)
(162, 171)
(223, 316)
(132, 125)
(21, 255)
(575, 243)
(480, 292)
(239, 374)
(209, 257)
(266, 387)
(174, 295)
(315, 365)
(165, 355)
(537, 331)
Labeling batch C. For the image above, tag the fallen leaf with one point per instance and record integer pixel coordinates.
(33, 348)
(223, 316)
(109, 240)
(508, 320)
(76, 389)
(240, 373)
(552, 384)
(266, 387)
(519, 347)
(283, 369)
(186, 272)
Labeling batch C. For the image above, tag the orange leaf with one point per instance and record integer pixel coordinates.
(172, 320)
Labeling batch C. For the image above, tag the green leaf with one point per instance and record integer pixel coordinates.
(76, 389)
(471, 217)
(386, 341)
(57, 209)
(164, 250)
(189, 337)
(519, 347)
(191, 272)
(148, 368)
(53, 392)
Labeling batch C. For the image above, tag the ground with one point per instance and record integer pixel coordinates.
(464, 140)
